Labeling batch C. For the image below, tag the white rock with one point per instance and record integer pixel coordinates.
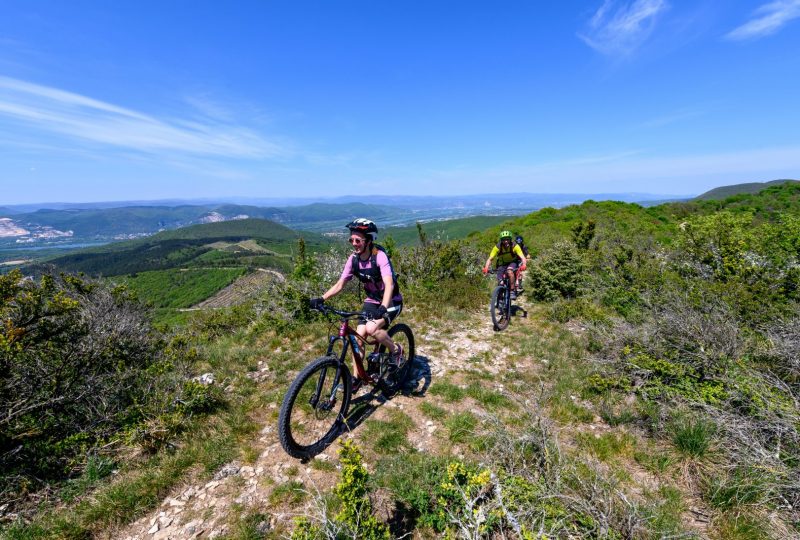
(153, 529)
(206, 379)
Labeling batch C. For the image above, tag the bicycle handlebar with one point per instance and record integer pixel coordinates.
(350, 314)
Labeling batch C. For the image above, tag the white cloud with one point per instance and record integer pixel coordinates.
(767, 19)
(621, 30)
(77, 117)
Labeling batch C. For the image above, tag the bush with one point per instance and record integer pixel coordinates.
(79, 367)
(557, 273)
(355, 518)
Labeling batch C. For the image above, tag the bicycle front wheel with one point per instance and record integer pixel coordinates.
(499, 309)
(314, 408)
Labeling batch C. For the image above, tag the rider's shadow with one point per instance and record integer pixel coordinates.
(419, 377)
(362, 407)
(515, 310)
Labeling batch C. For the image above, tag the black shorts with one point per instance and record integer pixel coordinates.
(501, 270)
(371, 311)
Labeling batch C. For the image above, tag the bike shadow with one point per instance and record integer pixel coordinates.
(362, 407)
(516, 309)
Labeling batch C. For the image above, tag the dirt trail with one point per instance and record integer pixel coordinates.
(210, 509)
(204, 510)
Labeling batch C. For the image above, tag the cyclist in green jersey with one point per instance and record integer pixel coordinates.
(508, 256)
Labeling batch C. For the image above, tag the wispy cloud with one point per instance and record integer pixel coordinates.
(672, 118)
(766, 20)
(77, 117)
(617, 29)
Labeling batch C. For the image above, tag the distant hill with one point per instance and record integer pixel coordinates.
(724, 192)
(777, 198)
(451, 229)
(246, 242)
(132, 221)
(625, 221)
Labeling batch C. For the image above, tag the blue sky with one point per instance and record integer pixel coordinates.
(140, 100)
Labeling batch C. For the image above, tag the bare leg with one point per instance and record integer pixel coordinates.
(375, 329)
(511, 279)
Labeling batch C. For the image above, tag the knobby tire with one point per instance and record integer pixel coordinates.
(314, 408)
(396, 377)
(500, 308)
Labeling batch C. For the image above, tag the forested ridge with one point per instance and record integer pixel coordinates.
(651, 392)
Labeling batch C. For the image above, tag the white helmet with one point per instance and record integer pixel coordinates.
(365, 227)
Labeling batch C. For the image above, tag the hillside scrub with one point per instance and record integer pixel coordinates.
(82, 374)
(704, 326)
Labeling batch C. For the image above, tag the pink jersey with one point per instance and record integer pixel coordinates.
(373, 291)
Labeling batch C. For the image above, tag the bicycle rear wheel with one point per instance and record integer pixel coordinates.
(314, 408)
(499, 308)
(395, 375)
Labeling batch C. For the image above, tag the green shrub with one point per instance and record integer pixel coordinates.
(556, 273)
(76, 370)
(355, 518)
(197, 398)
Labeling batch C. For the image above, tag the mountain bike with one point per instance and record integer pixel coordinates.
(500, 306)
(314, 409)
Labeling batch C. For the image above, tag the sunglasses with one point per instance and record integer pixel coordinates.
(355, 240)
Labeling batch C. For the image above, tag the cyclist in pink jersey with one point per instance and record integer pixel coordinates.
(370, 264)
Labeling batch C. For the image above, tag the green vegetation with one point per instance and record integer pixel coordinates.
(179, 289)
(355, 518)
(63, 392)
(654, 378)
(389, 437)
(239, 243)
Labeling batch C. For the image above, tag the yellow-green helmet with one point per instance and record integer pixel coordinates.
(505, 234)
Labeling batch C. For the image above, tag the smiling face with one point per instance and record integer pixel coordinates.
(506, 242)
(359, 242)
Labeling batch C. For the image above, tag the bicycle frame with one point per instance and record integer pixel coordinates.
(351, 340)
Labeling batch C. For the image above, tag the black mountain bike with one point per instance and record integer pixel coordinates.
(314, 409)
(500, 307)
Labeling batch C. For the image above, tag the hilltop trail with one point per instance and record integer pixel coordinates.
(204, 510)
